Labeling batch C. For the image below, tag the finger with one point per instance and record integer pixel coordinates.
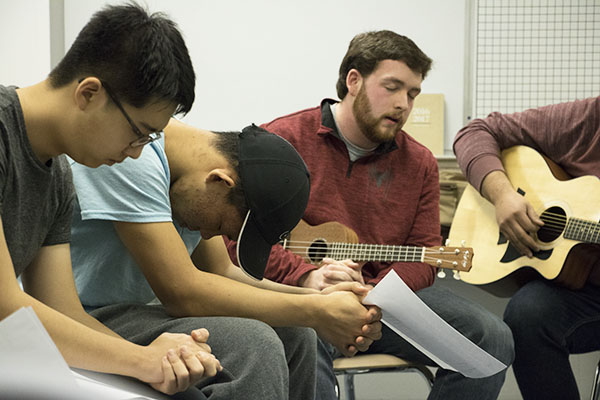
(210, 363)
(526, 224)
(348, 262)
(337, 276)
(373, 313)
(169, 382)
(525, 241)
(203, 347)
(181, 372)
(193, 364)
(359, 289)
(200, 335)
(349, 351)
(534, 216)
(518, 244)
(372, 330)
(362, 343)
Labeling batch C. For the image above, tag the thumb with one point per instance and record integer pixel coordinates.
(534, 216)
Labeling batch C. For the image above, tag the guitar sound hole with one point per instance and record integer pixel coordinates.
(555, 220)
(317, 251)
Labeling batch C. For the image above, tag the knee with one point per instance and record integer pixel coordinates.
(299, 342)
(526, 312)
(497, 339)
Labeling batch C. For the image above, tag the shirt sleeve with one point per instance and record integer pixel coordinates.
(136, 190)
(60, 232)
(555, 130)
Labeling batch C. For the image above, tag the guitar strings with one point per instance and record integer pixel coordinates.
(324, 248)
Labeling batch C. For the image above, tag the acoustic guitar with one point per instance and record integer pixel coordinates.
(569, 209)
(337, 241)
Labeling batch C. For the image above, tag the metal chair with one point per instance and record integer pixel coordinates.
(366, 363)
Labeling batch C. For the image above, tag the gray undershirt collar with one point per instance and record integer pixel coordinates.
(354, 152)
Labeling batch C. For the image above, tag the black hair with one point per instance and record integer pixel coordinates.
(142, 56)
(227, 143)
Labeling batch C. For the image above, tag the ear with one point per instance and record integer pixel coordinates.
(219, 175)
(89, 91)
(354, 81)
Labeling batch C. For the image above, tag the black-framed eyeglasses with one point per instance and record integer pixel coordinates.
(142, 139)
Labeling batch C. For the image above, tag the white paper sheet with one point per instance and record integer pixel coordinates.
(410, 318)
(32, 367)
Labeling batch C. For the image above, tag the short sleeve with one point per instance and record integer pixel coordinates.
(136, 190)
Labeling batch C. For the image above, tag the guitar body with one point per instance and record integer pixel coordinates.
(530, 175)
(318, 237)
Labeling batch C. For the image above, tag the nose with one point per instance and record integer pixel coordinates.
(133, 152)
(401, 101)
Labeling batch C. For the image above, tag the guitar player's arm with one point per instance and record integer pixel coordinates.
(515, 216)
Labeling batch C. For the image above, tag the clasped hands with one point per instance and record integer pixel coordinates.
(184, 360)
(346, 276)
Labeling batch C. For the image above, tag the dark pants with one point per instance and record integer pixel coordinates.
(550, 322)
(476, 323)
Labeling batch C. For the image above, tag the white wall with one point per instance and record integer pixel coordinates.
(257, 60)
(24, 41)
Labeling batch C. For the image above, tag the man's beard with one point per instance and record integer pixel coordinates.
(370, 124)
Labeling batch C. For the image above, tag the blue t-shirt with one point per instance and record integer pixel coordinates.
(132, 191)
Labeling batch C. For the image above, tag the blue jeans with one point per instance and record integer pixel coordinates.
(476, 323)
(550, 322)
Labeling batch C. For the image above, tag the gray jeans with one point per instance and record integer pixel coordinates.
(259, 362)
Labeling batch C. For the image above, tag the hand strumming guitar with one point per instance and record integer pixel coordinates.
(515, 216)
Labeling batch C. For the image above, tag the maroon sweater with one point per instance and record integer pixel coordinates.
(567, 133)
(390, 197)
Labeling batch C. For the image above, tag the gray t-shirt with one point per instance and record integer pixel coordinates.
(35, 199)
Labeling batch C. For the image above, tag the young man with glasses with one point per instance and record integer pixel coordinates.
(144, 61)
(151, 227)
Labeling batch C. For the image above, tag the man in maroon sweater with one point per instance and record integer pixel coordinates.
(371, 176)
(548, 321)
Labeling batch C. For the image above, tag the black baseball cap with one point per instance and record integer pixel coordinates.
(276, 184)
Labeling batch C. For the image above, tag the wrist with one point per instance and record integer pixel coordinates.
(495, 186)
(305, 280)
(143, 364)
(314, 307)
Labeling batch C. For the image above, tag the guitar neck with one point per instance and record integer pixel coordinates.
(375, 252)
(583, 231)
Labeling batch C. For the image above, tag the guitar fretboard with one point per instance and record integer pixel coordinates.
(375, 252)
(582, 230)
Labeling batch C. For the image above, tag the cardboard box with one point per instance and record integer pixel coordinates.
(426, 122)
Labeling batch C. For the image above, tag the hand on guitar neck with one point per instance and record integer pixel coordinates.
(515, 216)
(332, 272)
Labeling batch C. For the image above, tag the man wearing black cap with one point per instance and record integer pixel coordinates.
(136, 224)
